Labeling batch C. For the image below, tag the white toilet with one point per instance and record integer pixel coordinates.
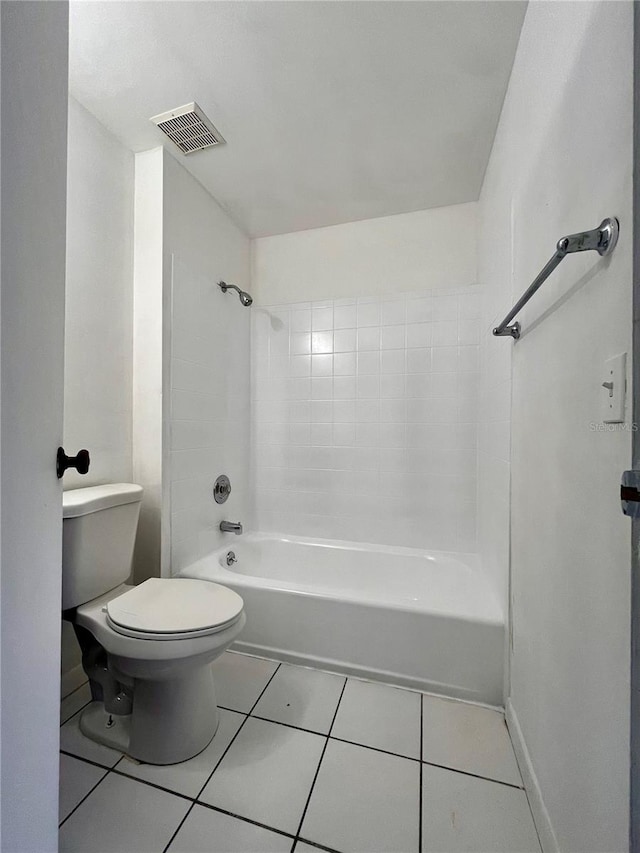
(147, 650)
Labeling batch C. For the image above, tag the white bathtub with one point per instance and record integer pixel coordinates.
(421, 619)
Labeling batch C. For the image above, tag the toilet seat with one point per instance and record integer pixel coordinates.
(173, 609)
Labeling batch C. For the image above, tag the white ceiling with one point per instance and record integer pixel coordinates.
(332, 111)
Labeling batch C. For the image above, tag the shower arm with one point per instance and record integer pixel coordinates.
(224, 287)
(602, 239)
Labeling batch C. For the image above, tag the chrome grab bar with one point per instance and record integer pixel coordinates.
(602, 239)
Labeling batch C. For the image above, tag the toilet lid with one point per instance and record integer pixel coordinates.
(163, 606)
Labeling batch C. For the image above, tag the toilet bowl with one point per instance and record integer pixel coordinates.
(147, 649)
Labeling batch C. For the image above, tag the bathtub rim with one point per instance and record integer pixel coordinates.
(495, 617)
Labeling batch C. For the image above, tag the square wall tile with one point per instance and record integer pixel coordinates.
(368, 314)
(300, 343)
(322, 342)
(345, 317)
(393, 337)
(301, 320)
(392, 312)
(322, 319)
(321, 365)
(344, 340)
(368, 339)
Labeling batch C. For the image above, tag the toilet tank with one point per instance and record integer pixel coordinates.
(98, 534)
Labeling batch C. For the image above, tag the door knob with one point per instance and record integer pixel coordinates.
(80, 462)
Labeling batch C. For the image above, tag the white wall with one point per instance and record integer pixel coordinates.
(150, 405)
(34, 162)
(365, 419)
(210, 367)
(191, 366)
(561, 162)
(393, 254)
(364, 405)
(99, 301)
(98, 336)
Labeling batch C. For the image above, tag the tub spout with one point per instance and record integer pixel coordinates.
(231, 527)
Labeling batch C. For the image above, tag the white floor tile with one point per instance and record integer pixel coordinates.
(123, 816)
(267, 774)
(74, 701)
(188, 777)
(301, 847)
(240, 679)
(72, 740)
(364, 801)
(301, 697)
(206, 831)
(465, 737)
(379, 716)
(463, 814)
(77, 778)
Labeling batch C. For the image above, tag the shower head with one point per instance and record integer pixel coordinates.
(245, 298)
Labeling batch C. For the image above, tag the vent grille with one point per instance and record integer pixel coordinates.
(188, 128)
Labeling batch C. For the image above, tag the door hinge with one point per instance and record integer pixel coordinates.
(630, 493)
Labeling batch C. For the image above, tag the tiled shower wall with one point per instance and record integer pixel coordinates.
(365, 419)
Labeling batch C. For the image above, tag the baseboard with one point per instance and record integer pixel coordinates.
(547, 836)
(71, 680)
(364, 673)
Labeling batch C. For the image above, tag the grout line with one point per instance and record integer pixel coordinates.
(152, 785)
(86, 796)
(245, 819)
(69, 695)
(179, 827)
(90, 760)
(77, 711)
(297, 837)
(420, 796)
(240, 727)
(317, 845)
(324, 749)
(289, 726)
(376, 749)
(474, 775)
(75, 690)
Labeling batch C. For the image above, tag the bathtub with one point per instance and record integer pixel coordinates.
(421, 619)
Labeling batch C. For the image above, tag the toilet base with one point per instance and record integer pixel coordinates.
(108, 729)
(172, 720)
(187, 722)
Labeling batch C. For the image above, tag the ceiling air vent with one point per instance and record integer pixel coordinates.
(188, 128)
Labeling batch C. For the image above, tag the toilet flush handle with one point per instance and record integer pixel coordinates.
(80, 462)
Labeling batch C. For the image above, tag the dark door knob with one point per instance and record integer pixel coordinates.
(80, 462)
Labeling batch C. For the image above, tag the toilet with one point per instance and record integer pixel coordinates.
(147, 650)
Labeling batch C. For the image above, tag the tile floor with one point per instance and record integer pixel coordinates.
(304, 760)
